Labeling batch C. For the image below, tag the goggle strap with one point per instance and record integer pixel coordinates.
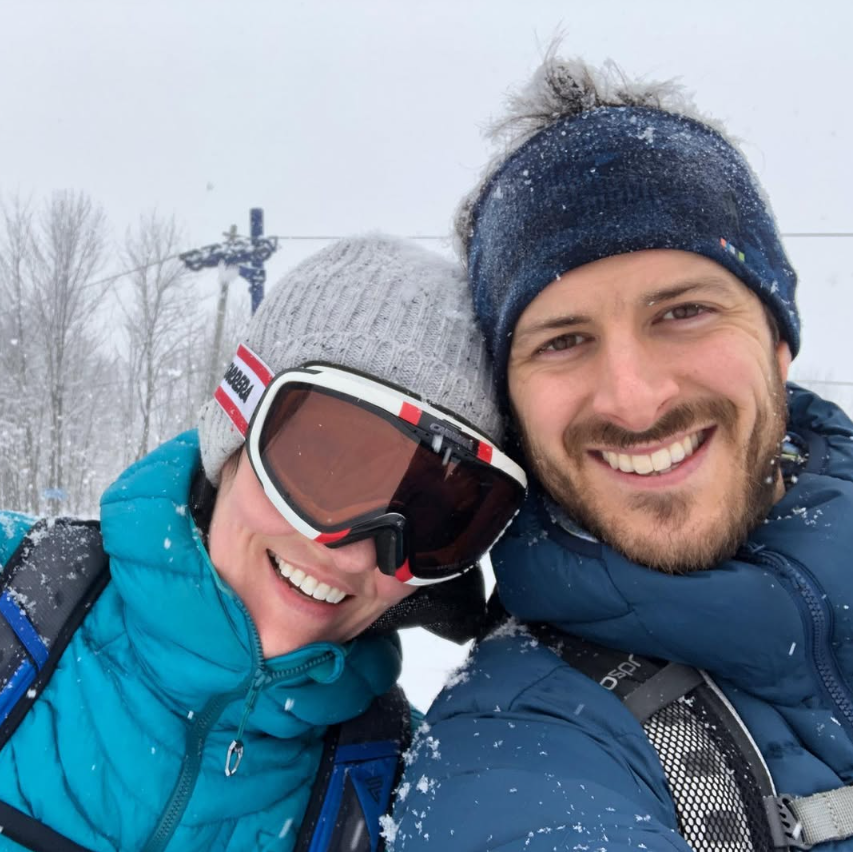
(242, 387)
(412, 414)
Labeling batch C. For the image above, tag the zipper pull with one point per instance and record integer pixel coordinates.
(235, 750)
(233, 758)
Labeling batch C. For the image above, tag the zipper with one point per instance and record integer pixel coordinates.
(190, 765)
(200, 728)
(262, 678)
(196, 736)
(819, 616)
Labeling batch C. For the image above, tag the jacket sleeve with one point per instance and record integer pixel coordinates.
(556, 765)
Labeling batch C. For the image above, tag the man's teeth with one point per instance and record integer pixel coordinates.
(307, 584)
(659, 461)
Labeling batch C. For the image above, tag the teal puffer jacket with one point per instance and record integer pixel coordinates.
(126, 748)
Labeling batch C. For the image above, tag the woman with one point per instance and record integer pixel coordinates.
(260, 566)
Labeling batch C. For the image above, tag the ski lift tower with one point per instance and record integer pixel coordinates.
(243, 256)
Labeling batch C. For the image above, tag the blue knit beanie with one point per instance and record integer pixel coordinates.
(611, 180)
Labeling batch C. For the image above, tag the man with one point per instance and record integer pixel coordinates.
(636, 297)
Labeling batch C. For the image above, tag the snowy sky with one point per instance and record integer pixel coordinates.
(338, 117)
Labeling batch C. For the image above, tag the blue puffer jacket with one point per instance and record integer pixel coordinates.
(525, 753)
(165, 670)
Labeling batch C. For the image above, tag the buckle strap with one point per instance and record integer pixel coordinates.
(804, 822)
(786, 830)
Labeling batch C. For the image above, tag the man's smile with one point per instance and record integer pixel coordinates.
(657, 461)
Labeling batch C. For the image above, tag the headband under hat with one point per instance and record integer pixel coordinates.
(612, 180)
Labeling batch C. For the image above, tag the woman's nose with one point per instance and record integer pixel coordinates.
(357, 557)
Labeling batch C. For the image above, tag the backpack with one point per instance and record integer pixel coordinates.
(723, 793)
(46, 589)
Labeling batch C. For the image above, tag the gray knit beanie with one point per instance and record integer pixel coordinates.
(378, 304)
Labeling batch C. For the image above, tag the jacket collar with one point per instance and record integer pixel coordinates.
(741, 616)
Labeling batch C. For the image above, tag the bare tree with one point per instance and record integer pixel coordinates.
(68, 248)
(158, 316)
(19, 361)
(75, 412)
(93, 448)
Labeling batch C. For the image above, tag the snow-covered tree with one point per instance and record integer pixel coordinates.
(67, 252)
(20, 362)
(158, 310)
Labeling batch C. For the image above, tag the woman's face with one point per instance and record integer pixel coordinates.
(297, 591)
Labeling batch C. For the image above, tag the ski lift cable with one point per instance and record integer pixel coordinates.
(431, 237)
(159, 262)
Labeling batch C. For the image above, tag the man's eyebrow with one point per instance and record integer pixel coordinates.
(566, 321)
(557, 323)
(666, 294)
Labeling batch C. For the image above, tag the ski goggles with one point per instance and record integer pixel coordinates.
(345, 457)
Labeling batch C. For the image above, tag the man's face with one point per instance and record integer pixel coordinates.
(651, 401)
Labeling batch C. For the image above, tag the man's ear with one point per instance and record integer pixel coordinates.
(783, 359)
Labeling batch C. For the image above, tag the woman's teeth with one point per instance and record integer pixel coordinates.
(660, 461)
(307, 584)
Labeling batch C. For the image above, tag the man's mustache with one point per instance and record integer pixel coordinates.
(685, 417)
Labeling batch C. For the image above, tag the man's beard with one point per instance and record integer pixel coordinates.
(755, 481)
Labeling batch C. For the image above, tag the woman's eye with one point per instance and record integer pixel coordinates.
(683, 312)
(563, 342)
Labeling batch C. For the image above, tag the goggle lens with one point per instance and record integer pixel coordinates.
(338, 462)
(333, 460)
(458, 508)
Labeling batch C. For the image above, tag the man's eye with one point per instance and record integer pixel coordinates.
(563, 342)
(684, 312)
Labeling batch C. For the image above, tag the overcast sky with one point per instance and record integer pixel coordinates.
(340, 117)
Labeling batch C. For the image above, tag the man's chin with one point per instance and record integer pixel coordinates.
(671, 551)
(667, 533)
(674, 533)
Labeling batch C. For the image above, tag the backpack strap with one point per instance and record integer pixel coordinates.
(716, 775)
(666, 685)
(643, 684)
(360, 767)
(32, 834)
(652, 689)
(46, 589)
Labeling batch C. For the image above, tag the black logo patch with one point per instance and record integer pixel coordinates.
(239, 382)
(374, 786)
(625, 669)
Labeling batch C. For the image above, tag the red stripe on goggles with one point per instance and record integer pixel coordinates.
(344, 457)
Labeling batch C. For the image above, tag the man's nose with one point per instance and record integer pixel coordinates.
(635, 384)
